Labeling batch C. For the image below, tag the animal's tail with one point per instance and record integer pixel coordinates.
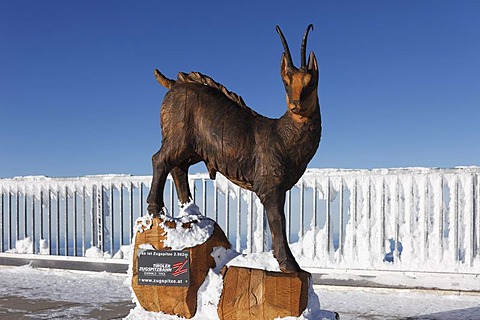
(164, 81)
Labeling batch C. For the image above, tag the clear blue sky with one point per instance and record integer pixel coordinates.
(399, 80)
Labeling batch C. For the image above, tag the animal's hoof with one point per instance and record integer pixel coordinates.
(289, 266)
(154, 210)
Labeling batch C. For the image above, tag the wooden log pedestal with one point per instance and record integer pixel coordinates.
(253, 294)
(181, 301)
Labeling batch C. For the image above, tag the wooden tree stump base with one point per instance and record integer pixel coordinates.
(253, 294)
(180, 301)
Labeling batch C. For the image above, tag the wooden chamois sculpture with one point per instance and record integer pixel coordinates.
(202, 121)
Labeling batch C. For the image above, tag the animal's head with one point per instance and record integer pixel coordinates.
(300, 83)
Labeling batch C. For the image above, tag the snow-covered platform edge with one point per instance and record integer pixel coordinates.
(63, 262)
(380, 279)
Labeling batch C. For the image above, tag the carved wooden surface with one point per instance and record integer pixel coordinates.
(202, 121)
(253, 294)
(175, 300)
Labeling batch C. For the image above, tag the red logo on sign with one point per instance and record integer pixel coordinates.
(179, 268)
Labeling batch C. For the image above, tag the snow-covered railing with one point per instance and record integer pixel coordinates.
(415, 219)
(66, 216)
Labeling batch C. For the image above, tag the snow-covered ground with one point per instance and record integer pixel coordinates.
(90, 295)
(381, 304)
(29, 293)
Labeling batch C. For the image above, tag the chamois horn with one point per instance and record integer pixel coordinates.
(304, 45)
(285, 47)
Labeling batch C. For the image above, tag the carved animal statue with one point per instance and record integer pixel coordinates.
(202, 121)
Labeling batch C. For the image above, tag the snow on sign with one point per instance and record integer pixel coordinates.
(164, 268)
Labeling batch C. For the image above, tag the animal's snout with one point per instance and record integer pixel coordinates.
(295, 106)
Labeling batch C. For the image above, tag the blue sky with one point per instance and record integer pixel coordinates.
(399, 80)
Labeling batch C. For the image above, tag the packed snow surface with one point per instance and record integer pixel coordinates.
(23, 246)
(94, 252)
(178, 238)
(200, 230)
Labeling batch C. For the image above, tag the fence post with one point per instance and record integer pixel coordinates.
(84, 218)
(328, 220)
(100, 219)
(25, 214)
(141, 206)
(455, 220)
(204, 197)
(341, 235)
(9, 238)
(2, 221)
(314, 217)
(17, 225)
(476, 216)
(239, 219)
(122, 214)
(66, 221)
(111, 212)
(33, 223)
(250, 218)
(302, 211)
(227, 211)
(382, 217)
(396, 253)
(57, 225)
(440, 218)
(426, 214)
(49, 221)
(215, 200)
(75, 224)
(369, 213)
(42, 235)
(130, 208)
(353, 217)
(289, 214)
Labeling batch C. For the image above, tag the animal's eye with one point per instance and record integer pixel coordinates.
(288, 89)
(306, 92)
(307, 79)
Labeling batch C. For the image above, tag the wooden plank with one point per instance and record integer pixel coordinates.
(252, 294)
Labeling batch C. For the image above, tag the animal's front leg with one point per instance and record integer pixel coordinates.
(160, 173)
(274, 204)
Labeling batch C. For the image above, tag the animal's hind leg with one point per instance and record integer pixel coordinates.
(180, 177)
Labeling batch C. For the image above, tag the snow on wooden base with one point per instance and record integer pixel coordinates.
(180, 301)
(252, 294)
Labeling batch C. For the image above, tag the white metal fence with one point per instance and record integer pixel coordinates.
(414, 219)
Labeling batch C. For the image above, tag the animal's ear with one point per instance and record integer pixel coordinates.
(312, 63)
(284, 65)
